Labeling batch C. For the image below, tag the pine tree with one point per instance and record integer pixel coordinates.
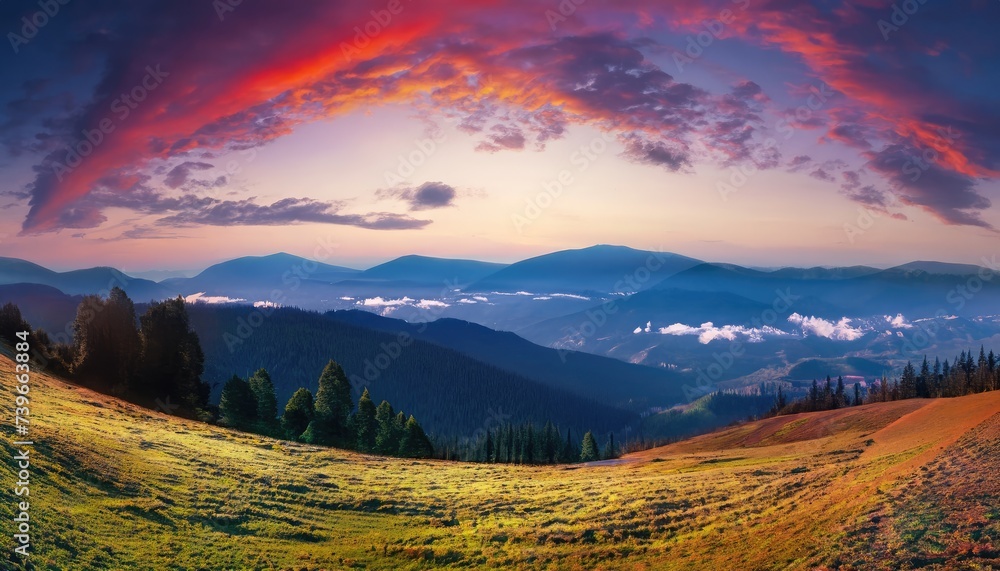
(415, 443)
(611, 451)
(172, 359)
(588, 450)
(569, 453)
(366, 424)
(267, 403)
(935, 388)
(857, 394)
(107, 344)
(237, 406)
(489, 451)
(299, 413)
(550, 443)
(908, 382)
(333, 408)
(386, 438)
(11, 323)
(924, 381)
(840, 398)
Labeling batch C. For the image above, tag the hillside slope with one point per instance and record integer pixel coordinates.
(894, 485)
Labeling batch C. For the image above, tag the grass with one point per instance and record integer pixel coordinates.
(119, 487)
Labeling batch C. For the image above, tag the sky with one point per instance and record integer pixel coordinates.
(172, 135)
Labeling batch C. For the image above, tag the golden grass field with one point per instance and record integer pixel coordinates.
(887, 486)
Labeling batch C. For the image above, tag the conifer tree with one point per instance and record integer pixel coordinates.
(415, 443)
(299, 413)
(237, 406)
(267, 402)
(386, 437)
(610, 451)
(366, 423)
(588, 450)
(333, 408)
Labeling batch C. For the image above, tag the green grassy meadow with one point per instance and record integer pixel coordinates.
(907, 484)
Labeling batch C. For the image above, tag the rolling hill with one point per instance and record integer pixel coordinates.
(628, 386)
(453, 394)
(80, 282)
(887, 486)
(437, 271)
(601, 268)
(257, 277)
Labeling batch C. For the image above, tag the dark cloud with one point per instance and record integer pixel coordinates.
(948, 195)
(799, 163)
(180, 173)
(656, 153)
(504, 137)
(427, 196)
(284, 212)
(821, 174)
(852, 134)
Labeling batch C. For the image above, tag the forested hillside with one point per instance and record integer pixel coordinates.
(452, 394)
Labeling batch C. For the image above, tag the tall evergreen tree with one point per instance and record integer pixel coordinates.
(588, 450)
(415, 443)
(908, 382)
(107, 343)
(333, 407)
(237, 406)
(11, 323)
(172, 360)
(924, 381)
(299, 413)
(610, 451)
(569, 453)
(386, 436)
(840, 396)
(267, 402)
(857, 394)
(366, 423)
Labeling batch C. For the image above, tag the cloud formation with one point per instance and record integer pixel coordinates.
(427, 196)
(171, 85)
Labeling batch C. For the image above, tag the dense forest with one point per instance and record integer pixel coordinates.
(452, 394)
(963, 375)
(156, 360)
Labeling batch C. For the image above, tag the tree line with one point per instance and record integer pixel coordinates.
(155, 360)
(964, 375)
(527, 444)
(329, 418)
